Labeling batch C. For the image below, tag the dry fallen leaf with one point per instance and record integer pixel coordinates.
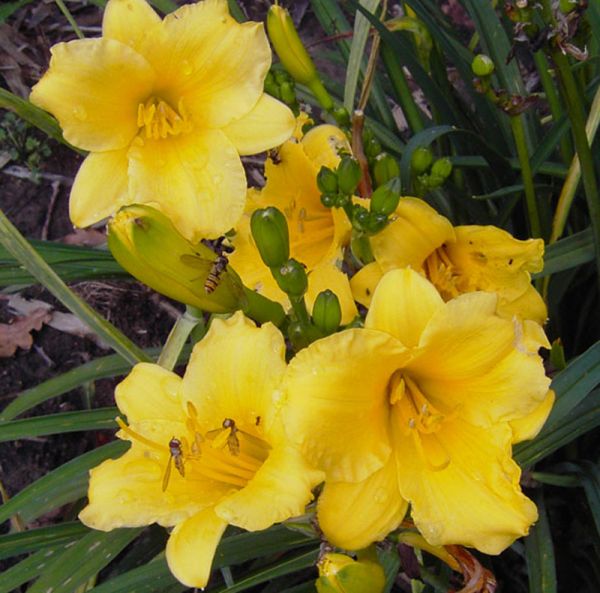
(18, 334)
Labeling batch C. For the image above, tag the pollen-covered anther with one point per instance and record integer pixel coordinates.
(160, 120)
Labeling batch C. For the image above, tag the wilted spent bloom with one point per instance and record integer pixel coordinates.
(145, 242)
(206, 451)
(421, 407)
(339, 573)
(165, 108)
(316, 234)
(456, 259)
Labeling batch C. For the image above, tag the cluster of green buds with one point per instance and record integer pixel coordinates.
(271, 235)
(382, 165)
(428, 173)
(279, 84)
(483, 68)
(339, 573)
(144, 241)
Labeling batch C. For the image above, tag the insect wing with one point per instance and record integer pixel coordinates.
(167, 475)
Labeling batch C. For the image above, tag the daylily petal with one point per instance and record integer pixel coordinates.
(481, 363)
(191, 547)
(416, 231)
(338, 412)
(130, 22)
(354, 515)
(127, 492)
(325, 276)
(269, 123)
(214, 63)
(234, 372)
(364, 283)
(150, 392)
(530, 305)
(100, 187)
(93, 88)
(403, 304)
(475, 501)
(528, 427)
(197, 179)
(280, 489)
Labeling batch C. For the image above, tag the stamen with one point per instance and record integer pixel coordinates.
(160, 120)
(138, 437)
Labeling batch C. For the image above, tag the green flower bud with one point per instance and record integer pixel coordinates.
(386, 197)
(434, 181)
(291, 278)
(327, 181)
(341, 200)
(288, 94)
(341, 574)
(373, 148)
(145, 242)
(293, 54)
(360, 217)
(482, 66)
(327, 313)
(385, 168)
(421, 160)
(281, 77)
(349, 174)
(328, 200)
(270, 232)
(342, 117)
(377, 222)
(442, 168)
(567, 6)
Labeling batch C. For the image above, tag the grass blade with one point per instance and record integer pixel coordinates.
(65, 484)
(590, 480)
(30, 259)
(83, 560)
(32, 540)
(539, 552)
(99, 419)
(568, 253)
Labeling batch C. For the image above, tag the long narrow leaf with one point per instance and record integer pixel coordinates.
(99, 419)
(568, 253)
(12, 239)
(62, 485)
(539, 551)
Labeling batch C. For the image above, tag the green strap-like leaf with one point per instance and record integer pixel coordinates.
(99, 419)
(21, 250)
(65, 484)
(539, 551)
(568, 253)
(83, 560)
(32, 540)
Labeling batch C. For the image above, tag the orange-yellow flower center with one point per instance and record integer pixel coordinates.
(228, 454)
(158, 119)
(418, 418)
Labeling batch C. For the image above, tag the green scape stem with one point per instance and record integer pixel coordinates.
(574, 104)
(300, 311)
(556, 109)
(69, 18)
(518, 130)
(262, 309)
(30, 259)
(178, 336)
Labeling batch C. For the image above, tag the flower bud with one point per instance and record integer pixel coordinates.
(349, 174)
(327, 181)
(373, 148)
(442, 168)
(386, 197)
(341, 574)
(145, 242)
(342, 117)
(328, 200)
(293, 54)
(385, 168)
(291, 278)
(482, 65)
(327, 313)
(421, 160)
(270, 232)
(287, 92)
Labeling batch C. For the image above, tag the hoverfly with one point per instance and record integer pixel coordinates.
(175, 457)
(227, 435)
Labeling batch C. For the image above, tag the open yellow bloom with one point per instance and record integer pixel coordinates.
(317, 234)
(165, 107)
(206, 450)
(417, 408)
(456, 259)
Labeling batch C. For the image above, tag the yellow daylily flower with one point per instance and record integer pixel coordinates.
(206, 451)
(317, 234)
(456, 259)
(165, 108)
(417, 408)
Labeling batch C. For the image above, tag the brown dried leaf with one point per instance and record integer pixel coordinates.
(477, 578)
(86, 237)
(18, 334)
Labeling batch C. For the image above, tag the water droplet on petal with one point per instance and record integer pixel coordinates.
(80, 113)
(186, 68)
